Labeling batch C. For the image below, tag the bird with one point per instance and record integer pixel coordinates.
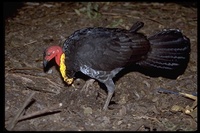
(101, 53)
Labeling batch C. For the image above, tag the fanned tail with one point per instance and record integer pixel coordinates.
(170, 51)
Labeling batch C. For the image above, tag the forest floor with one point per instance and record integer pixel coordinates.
(39, 101)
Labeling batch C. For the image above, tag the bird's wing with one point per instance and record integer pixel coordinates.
(105, 49)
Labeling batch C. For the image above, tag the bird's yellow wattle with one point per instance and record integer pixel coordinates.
(63, 70)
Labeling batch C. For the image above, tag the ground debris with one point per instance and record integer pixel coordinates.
(38, 25)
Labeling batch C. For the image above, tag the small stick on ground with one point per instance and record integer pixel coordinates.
(40, 112)
(189, 96)
(15, 119)
(30, 42)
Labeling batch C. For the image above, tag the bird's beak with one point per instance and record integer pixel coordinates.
(45, 63)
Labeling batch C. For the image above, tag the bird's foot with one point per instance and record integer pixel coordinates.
(87, 84)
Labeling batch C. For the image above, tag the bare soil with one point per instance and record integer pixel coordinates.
(138, 103)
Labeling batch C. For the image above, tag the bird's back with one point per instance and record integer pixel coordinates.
(104, 49)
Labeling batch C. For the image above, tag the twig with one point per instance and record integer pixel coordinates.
(13, 70)
(146, 117)
(189, 96)
(41, 90)
(30, 42)
(53, 83)
(177, 93)
(15, 119)
(111, 13)
(166, 91)
(40, 112)
(154, 21)
(118, 14)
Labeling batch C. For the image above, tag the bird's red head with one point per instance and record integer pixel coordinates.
(50, 53)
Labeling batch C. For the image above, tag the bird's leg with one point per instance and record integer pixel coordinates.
(111, 88)
(110, 94)
(87, 84)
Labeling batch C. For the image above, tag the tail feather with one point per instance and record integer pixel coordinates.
(169, 51)
(136, 26)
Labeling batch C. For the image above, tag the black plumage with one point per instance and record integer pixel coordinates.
(101, 53)
(104, 49)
